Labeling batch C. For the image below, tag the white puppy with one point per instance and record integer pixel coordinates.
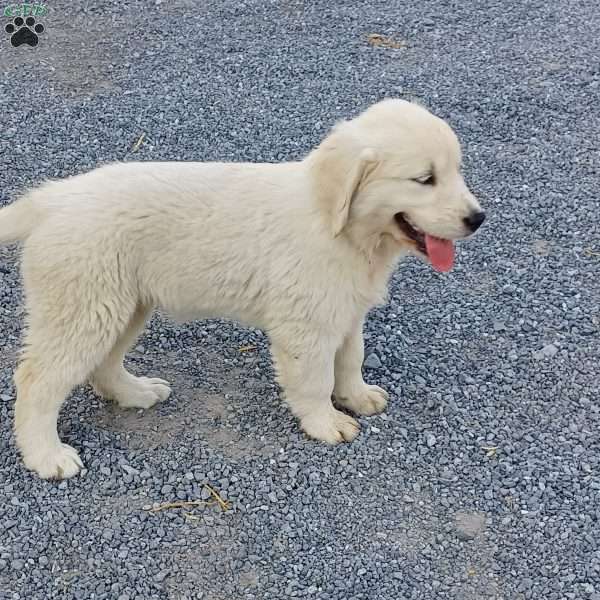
(301, 249)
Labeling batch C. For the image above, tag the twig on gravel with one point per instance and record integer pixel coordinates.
(191, 517)
(248, 348)
(383, 41)
(590, 252)
(490, 451)
(140, 141)
(223, 504)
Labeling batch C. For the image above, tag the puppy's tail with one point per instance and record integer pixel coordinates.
(18, 220)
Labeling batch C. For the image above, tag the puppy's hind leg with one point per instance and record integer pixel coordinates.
(73, 323)
(41, 390)
(112, 381)
(60, 352)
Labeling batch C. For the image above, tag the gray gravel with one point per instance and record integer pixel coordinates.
(483, 478)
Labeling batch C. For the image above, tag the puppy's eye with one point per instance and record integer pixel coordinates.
(427, 179)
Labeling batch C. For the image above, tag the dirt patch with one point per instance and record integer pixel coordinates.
(189, 410)
(219, 546)
(542, 247)
(409, 535)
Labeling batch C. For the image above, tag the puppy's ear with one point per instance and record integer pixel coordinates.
(339, 166)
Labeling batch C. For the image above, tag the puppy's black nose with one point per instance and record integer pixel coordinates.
(474, 220)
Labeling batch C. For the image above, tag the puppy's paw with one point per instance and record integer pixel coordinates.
(332, 427)
(61, 462)
(138, 392)
(371, 400)
(144, 392)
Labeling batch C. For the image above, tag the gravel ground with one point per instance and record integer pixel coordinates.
(482, 481)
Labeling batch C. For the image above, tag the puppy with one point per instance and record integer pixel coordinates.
(301, 249)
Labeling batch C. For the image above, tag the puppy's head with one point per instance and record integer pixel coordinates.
(394, 172)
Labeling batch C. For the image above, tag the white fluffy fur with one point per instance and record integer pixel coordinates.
(301, 249)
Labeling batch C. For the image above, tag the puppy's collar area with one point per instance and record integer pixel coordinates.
(439, 251)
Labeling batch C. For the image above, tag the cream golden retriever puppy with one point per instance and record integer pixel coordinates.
(301, 249)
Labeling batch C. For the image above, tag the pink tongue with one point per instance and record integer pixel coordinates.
(440, 253)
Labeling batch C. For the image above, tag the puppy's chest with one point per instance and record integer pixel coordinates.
(373, 291)
(366, 290)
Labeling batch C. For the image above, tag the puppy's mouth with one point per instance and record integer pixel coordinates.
(439, 251)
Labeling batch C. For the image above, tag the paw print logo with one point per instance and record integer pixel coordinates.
(24, 31)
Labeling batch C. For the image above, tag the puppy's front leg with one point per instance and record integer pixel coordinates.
(305, 373)
(350, 390)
